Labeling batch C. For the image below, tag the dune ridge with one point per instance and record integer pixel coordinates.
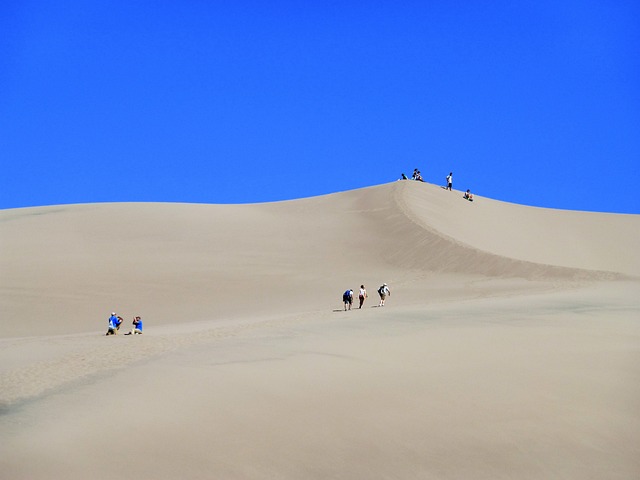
(574, 239)
(433, 249)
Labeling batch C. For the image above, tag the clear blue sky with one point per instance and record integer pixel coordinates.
(533, 102)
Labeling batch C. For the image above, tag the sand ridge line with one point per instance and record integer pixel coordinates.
(527, 269)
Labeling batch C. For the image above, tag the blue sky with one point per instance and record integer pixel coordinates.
(534, 102)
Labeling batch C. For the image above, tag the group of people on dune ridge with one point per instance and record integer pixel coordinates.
(449, 183)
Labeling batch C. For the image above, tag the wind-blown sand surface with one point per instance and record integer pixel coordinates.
(509, 348)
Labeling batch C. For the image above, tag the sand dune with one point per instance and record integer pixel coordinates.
(66, 267)
(508, 348)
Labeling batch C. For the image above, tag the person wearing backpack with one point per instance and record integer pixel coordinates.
(383, 291)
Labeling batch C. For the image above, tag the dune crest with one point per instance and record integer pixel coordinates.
(580, 240)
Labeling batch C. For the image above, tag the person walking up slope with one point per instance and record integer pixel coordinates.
(383, 291)
(347, 299)
(362, 295)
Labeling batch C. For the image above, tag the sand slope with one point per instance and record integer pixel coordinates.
(508, 349)
(65, 268)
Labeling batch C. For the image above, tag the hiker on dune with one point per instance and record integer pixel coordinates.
(383, 291)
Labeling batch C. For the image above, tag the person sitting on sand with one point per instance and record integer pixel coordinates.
(114, 324)
(403, 177)
(137, 326)
(468, 195)
(383, 291)
(347, 299)
(362, 295)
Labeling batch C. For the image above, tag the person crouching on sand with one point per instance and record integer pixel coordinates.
(137, 326)
(362, 295)
(383, 291)
(468, 195)
(114, 324)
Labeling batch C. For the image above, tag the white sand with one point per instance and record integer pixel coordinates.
(509, 348)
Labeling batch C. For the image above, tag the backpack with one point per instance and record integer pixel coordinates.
(381, 290)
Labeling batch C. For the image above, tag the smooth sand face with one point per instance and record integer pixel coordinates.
(498, 355)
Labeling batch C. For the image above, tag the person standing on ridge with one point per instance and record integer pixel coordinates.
(449, 181)
(383, 291)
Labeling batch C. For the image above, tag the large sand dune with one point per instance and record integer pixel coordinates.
(510, 347)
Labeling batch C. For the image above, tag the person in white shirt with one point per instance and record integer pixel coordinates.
(362, 295)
